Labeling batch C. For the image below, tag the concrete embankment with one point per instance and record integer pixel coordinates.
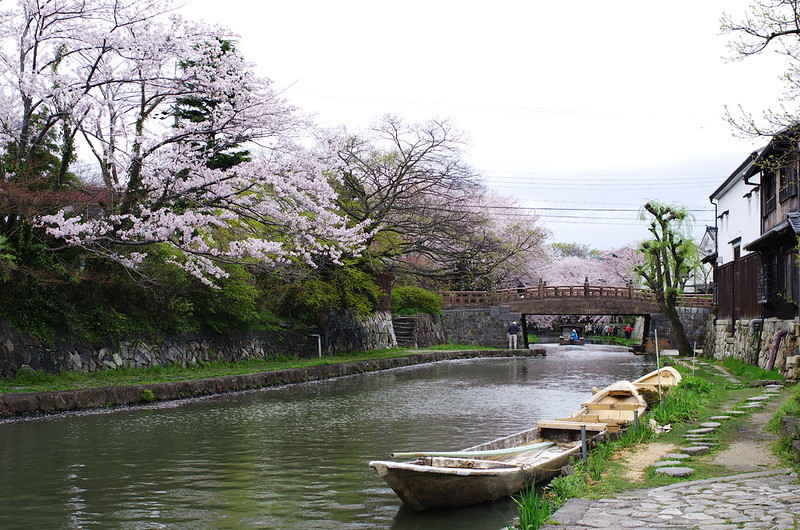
(25, 404)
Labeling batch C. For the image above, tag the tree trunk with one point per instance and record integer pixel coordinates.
(684, 348)
(384, 281)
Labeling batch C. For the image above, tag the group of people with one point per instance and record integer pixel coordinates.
(608, 330)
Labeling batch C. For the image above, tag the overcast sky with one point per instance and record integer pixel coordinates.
(568, 107)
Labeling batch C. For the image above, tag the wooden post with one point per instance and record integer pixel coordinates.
(584, 448)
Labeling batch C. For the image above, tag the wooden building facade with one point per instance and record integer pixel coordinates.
(766, 281)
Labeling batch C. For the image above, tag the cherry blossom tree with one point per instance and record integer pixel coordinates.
(613, 267)
(119, 76)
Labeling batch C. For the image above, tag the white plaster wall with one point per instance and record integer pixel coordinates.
(742, 219)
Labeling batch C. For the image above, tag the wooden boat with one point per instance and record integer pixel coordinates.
(615, 405)
(498, 468)
(566, 337)
(669, 377)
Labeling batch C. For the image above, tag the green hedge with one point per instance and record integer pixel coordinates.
(413, 300)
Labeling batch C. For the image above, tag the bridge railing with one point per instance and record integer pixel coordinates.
(549, 292)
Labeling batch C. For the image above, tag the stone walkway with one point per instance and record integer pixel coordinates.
(764, 499)
(768, 499)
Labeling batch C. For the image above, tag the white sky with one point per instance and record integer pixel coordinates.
(583, 104)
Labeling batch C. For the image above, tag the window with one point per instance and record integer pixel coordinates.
(788, 182)
(762, 287)
(767, 192)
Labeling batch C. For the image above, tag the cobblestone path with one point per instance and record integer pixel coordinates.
(767, 499)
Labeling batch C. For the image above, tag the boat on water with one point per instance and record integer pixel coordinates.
(572, 334)
(667, 377)
(488, 471)
(616, 405)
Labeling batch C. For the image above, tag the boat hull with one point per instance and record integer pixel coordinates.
(432, 483)
(665, 378)
(616, 405)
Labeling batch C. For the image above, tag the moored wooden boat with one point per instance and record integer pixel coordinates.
(667, 377)
(572, 334)
(615, 405)
(499, 468)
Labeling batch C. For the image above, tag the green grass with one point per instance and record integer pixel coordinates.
(748, 371)
(698, 397)
(37, 381)
(790, 407)
(783, 447)
(534, 509)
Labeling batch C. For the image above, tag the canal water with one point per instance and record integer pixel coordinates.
(289, 457)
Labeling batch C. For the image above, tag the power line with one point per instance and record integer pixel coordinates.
(492, 109)
(617, 175)
(573, 209)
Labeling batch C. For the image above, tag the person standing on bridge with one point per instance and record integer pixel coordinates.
(513, 329)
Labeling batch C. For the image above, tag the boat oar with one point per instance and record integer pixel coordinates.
(468, 454)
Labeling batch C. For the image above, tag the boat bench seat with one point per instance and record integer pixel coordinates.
(612, 406)
(571, 425)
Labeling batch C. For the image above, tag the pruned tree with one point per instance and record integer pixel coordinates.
(424, 209)
(668, 259)
(194, 151)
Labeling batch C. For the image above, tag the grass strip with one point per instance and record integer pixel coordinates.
(699, 396)
(39, 381)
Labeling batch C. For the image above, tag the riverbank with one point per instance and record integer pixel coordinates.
(742, 483)
(16, 405)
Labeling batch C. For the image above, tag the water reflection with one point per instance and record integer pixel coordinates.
(292, 457)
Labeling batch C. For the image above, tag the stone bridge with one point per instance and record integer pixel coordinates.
(569, 300)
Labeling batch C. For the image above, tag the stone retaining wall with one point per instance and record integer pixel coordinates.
(694, 319)
(15, 405)
(343, 333)
(484, 326)
(753, 343)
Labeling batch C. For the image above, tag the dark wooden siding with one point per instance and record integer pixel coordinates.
(736, 284)
(747, 286)
(723, 291)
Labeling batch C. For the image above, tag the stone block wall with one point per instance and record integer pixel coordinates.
(753, 342)
(694, 319)
(484, 326)
(420, 331)
(343, 333)
(735, 339)
(18, 351)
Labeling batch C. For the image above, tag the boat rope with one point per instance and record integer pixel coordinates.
(471, 454)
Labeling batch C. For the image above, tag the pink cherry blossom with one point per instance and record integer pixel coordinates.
(115, 71)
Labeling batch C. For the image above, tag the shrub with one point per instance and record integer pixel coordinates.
(342, 288)
(412, 300)
(147, 396)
